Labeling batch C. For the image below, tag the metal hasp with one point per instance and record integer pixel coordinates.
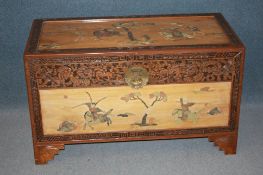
(136, 77)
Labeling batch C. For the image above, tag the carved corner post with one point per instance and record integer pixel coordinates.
(226, 142)
(44, 153)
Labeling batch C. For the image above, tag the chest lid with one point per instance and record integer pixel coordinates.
(130, 33)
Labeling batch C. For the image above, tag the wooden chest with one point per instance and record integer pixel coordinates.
(133, 78)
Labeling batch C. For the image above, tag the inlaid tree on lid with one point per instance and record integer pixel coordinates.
(156, 96)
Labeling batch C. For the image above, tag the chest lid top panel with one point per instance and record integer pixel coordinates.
(130, 33)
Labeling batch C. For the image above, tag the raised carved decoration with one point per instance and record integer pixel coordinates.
(226, 143)
(97, 71)
(44, 153)
(110, 71)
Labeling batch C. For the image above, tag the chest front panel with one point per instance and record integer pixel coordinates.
(90, 94)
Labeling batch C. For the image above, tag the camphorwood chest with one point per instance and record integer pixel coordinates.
(133, 78)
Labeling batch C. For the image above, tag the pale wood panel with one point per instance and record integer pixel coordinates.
(58, 106)
(159, 31)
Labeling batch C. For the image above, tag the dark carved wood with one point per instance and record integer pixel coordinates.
(226, 143)
(44, 153)
(109, 71)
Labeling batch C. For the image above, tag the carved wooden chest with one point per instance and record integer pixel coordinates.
(133, 78)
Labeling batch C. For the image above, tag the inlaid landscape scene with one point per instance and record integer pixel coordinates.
(154, 107)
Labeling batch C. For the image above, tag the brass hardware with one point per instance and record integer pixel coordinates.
(136, 77)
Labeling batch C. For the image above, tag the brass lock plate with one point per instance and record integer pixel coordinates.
(136, 77)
